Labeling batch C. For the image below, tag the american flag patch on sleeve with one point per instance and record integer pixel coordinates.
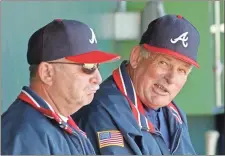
(110, 138)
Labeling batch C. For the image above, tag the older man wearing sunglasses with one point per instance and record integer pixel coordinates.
(64, 76)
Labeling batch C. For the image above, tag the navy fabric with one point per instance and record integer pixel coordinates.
(164, 126)
(153, 116)
(27, 131)
(158, 119)
(110, 110)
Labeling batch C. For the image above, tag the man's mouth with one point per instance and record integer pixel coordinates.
(160, 89)
(94, 89)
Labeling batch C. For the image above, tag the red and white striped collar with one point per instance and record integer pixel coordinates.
(30, 97)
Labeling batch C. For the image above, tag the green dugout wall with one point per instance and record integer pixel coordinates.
(20, 19)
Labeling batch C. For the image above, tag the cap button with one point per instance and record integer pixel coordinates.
(179, 16)
(58, 20)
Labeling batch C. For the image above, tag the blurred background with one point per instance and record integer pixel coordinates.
(118, 27)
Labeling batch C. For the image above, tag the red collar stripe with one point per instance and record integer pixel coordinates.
(175, 113)
(24, 96)
(136, 106)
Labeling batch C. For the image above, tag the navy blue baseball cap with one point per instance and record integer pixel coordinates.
(172, 35)
(69, 39)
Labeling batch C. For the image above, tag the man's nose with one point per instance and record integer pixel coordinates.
(97, 78)
(171, 76)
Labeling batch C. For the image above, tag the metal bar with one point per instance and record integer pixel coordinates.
(217, 54)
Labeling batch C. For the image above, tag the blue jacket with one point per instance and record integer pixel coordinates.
(109, 114)
(27, 131)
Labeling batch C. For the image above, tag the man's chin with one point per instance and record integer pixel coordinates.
(89, 100)
(158, 104)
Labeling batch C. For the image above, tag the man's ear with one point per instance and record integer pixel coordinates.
(135, 56)
(46, 73)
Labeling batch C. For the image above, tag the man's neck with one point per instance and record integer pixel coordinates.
(151, 109)
(56, 103)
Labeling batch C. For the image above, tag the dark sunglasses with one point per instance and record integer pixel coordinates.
(87, 68)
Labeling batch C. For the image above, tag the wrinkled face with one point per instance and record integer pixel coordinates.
(75, 84)
(159, 78)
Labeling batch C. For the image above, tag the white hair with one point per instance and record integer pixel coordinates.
(145, 54)
(148, 54)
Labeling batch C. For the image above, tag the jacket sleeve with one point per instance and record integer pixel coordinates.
(100, 128)
(24, 142)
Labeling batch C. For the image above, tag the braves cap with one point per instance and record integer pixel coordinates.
(173, 35)
(68, 39)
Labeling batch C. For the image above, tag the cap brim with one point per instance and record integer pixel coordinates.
(94, 57)
(171, 53)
